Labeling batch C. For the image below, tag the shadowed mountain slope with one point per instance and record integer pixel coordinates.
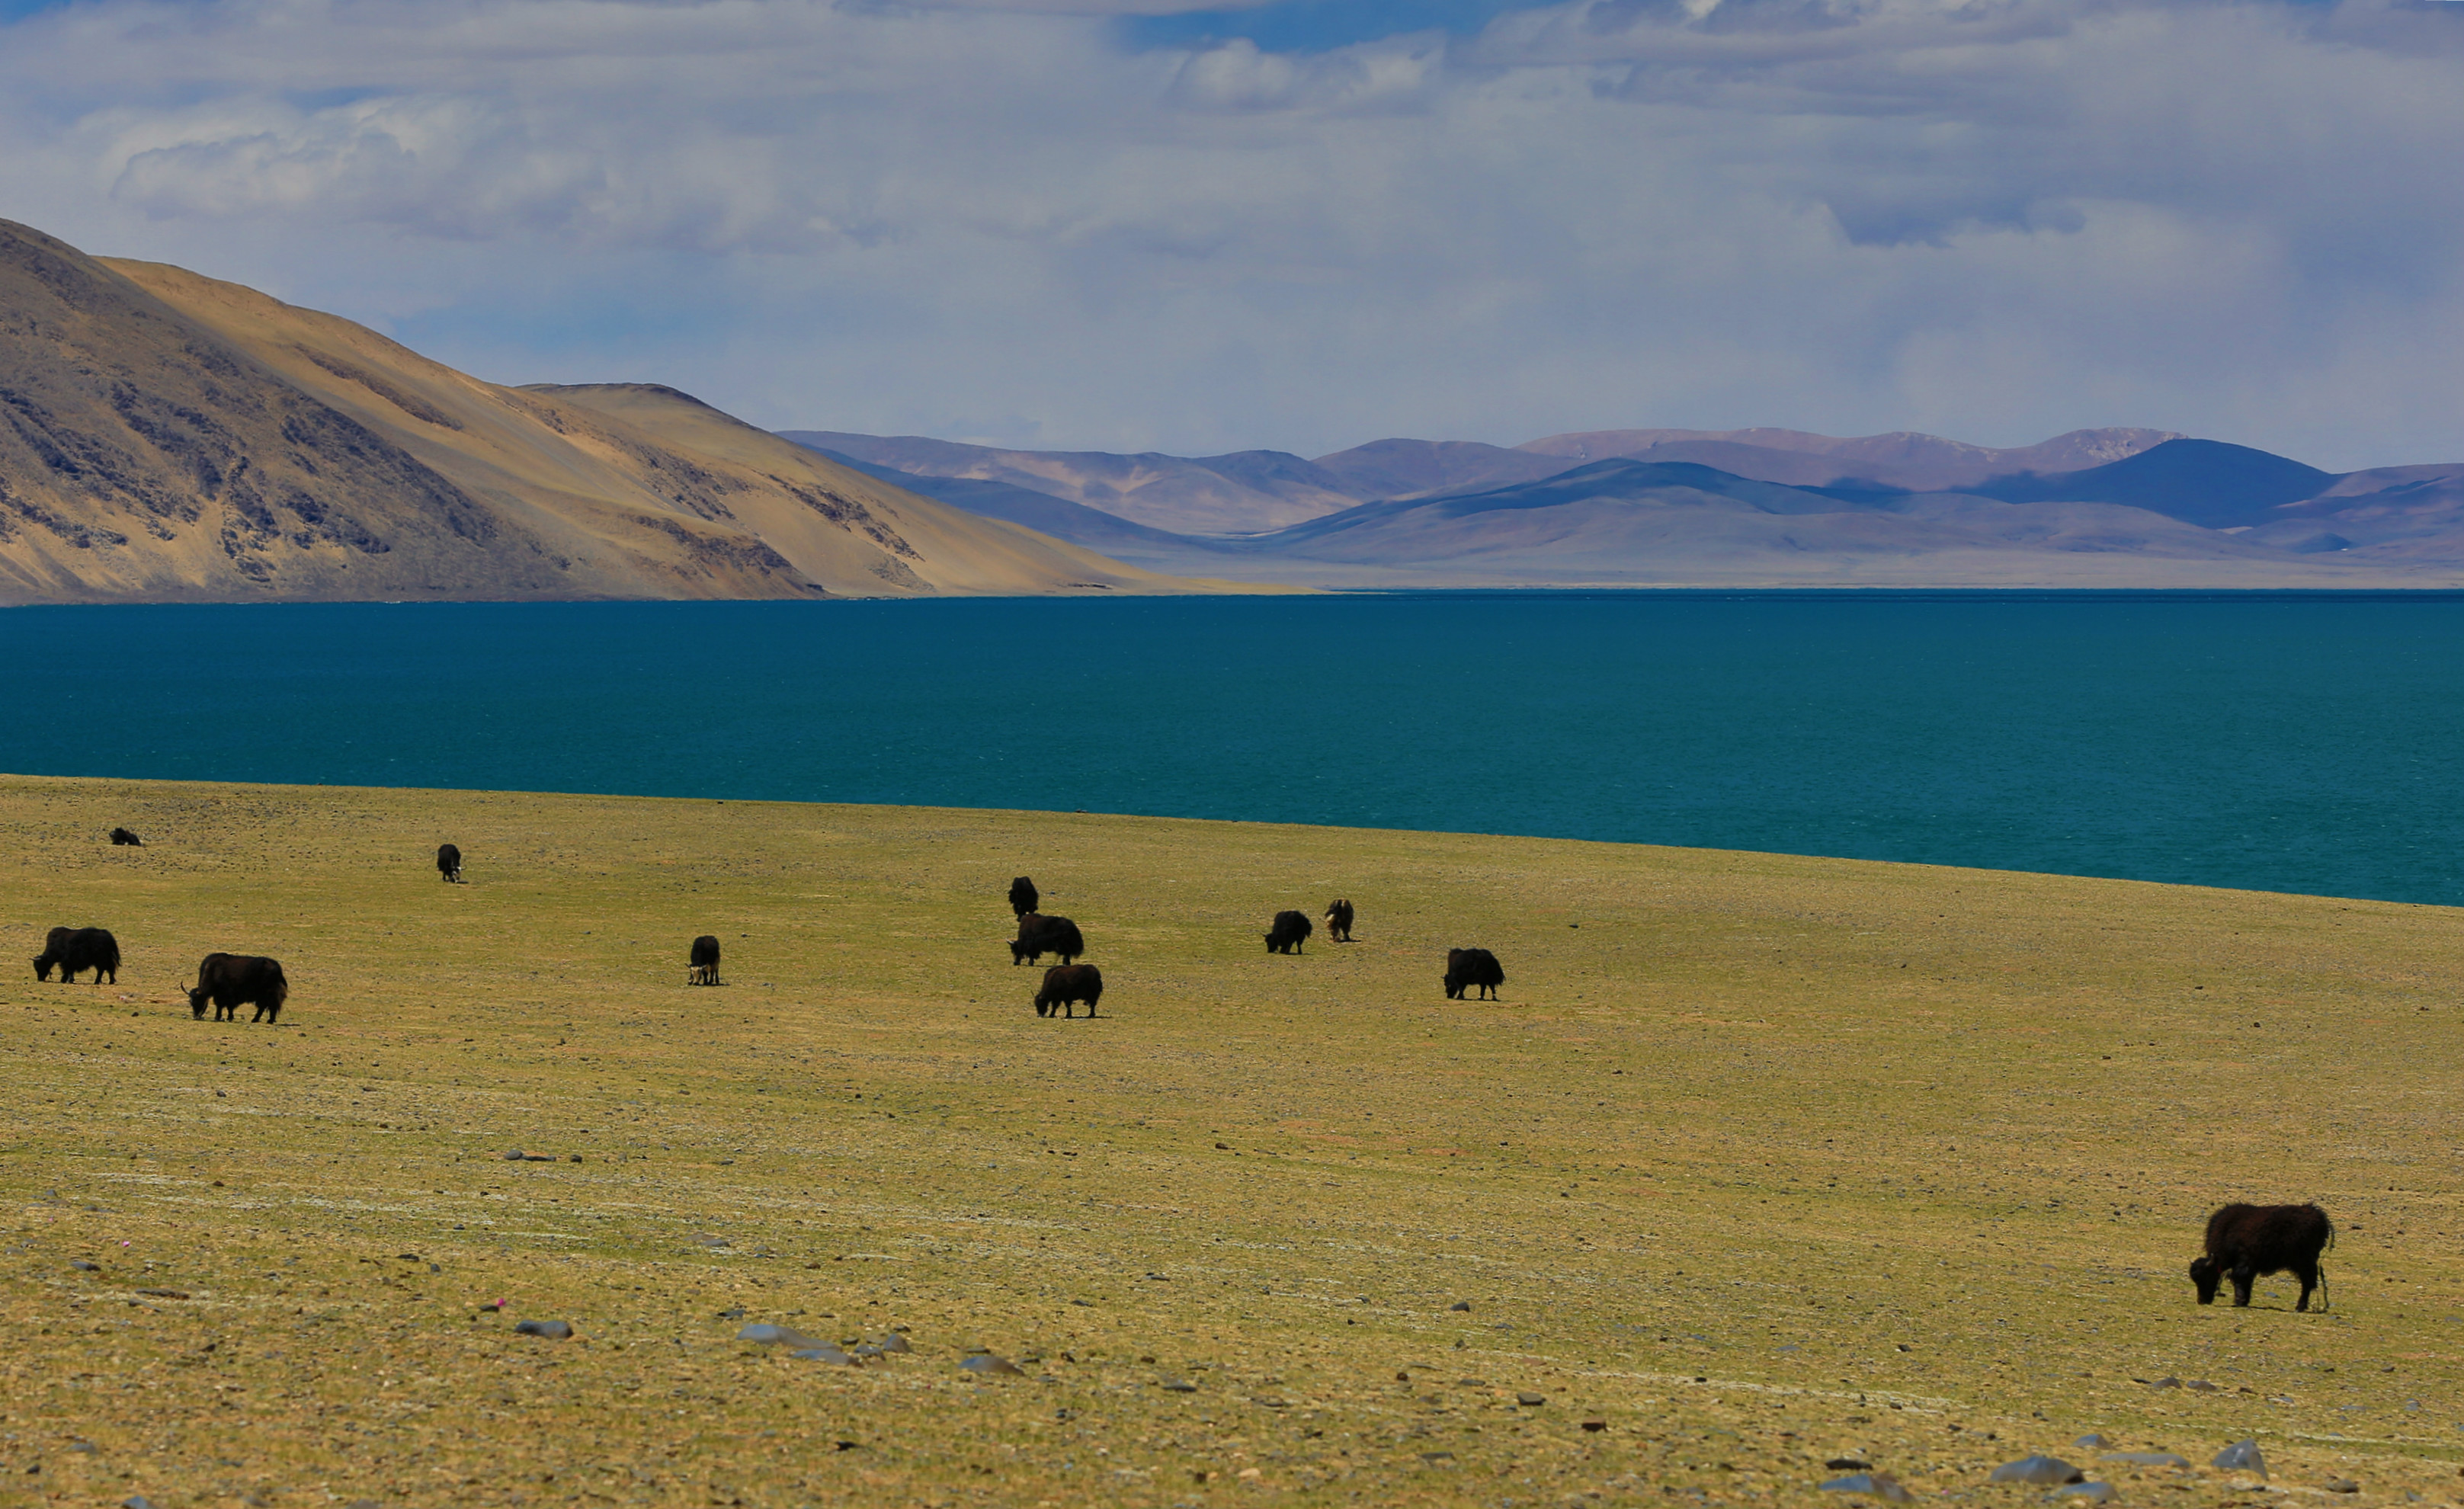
(2203, 482)
(164, 435)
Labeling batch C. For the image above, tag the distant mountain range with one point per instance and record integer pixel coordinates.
(164, 436)
(1755, 507)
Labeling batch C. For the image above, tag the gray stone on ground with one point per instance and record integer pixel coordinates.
(2340, 1485)
(993, 1367)
(2092, 1492)
(2242, 1457)
(1532, 1400)
(2145, 1458)
(1878, 1485)
(2092, 1442)
(2044, 1471)
(553, 1330)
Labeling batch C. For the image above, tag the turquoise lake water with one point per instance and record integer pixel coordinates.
(2274, 741)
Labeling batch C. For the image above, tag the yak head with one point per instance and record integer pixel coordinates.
(43, 967)
(2207, 1275)
(197, 1003)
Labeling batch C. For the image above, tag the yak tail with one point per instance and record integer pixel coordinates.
(2331, 1234)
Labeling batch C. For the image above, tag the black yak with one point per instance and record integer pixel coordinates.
(1470, 968)
(1066, 983)
(233, 980)
(1039, 935)
(1290, 929)
(126, 839)
(75, 949)
(449, 863)
(705, 961)
(1022, 898)
(1338, 922)
(2245, 1241)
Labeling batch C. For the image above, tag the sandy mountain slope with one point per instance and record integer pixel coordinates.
(1244, 492)
(164, 435)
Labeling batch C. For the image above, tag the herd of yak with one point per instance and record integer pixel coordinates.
(1069, 983)
(2243, 1243)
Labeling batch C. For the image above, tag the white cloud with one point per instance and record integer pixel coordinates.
(1994, 219)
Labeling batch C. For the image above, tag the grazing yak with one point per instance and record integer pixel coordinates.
(1066, 983)
(449, 863)
(74, 949)
(1039, 935)
(1288, 932)
(705, 961)
(1023, 897)
(233, 980)
(1338, 922)
(1470, 968)
(2245, 1241)
(126, 839)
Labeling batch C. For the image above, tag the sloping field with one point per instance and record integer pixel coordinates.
(1760, 1163)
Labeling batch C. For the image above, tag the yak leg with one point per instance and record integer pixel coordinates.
(2308, 1273)
(2242, 1276)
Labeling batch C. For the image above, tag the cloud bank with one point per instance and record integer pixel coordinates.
(1004, 220)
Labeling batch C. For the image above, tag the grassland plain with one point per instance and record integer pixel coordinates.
(1761, 1162)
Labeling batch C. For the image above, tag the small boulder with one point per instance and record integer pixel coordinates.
(2242, 1457)
(553, 1330)
(2340, 1485)
(992, 1366)
(1878, 1485)
(2092, 1492)
(2044, 1471)
(2092, 1442)
(1531, 1401)
(2145, 1458)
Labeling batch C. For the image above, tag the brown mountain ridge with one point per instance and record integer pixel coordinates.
(167, 437)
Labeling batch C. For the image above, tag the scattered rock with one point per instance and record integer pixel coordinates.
(707, 1241)
(1595, 1425)
(2242, 1457)
(83, 1266)
(361, 1503)
(2340, 1485)
(733, 1312)
(893, 1343)
(2092, 1492)
(514, 1155)
(137, 1501)
(2200, 1386)
(1179, 1386)
(762, 1334)
(2092, 1442)
(1878, 1485)
(825, 1352)
(1465, 1305)
(2145, 1458)
(2047, 1471)
(1437, 1457)
(553, 1330)
(987, 1363)
(2167, 1382)
(166, 1294)
(1532, 1400)
(1848, 1464)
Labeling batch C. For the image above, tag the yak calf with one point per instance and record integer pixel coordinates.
(705, 961)
(1338, 922)
(1064, 984)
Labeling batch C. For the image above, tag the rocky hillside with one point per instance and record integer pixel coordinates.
(164, 436)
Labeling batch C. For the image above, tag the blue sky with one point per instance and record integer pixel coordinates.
(1151, 223)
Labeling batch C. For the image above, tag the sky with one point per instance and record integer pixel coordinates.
(1303, 225)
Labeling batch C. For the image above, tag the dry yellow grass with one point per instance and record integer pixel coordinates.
(1761, 1161)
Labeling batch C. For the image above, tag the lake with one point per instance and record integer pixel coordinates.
(2297, 742)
